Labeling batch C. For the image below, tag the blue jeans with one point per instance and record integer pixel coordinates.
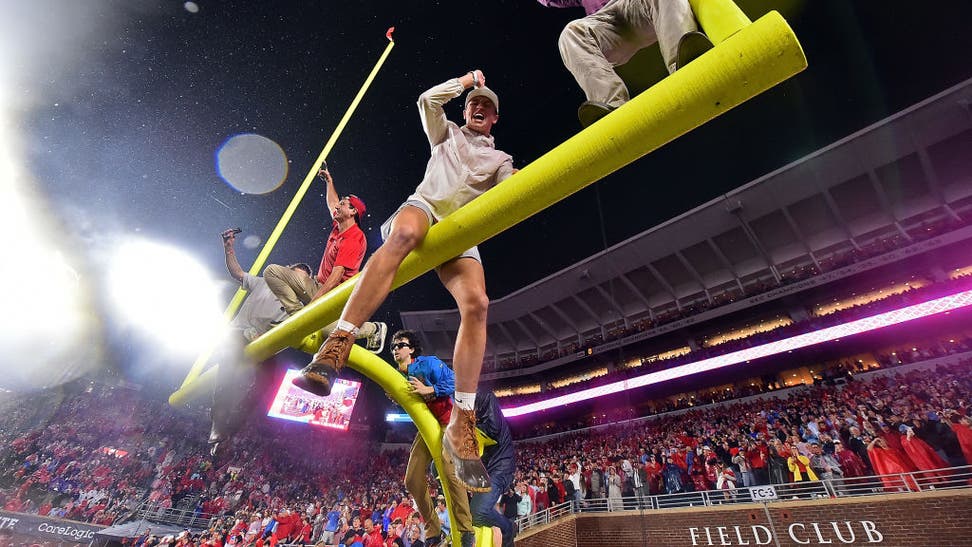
(483, 506)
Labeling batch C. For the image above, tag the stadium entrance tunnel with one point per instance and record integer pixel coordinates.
(918, 519)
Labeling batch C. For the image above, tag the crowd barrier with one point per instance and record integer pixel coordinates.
(873, 485)
(183, 518)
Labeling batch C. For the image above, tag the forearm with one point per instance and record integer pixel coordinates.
(426, 392)
(332, 281)
(330, 193)
(430, 106)
(232, 264)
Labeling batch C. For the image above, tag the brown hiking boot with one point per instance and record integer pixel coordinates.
(460, 445)
(318, 376)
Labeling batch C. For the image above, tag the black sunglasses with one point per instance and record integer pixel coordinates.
(400, 345)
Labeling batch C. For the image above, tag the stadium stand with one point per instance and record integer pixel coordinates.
(820, 242)
(106, 452)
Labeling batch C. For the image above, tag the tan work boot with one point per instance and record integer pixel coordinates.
(318, 376)
(460, 445)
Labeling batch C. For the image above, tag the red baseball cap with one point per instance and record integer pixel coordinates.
(358, 205)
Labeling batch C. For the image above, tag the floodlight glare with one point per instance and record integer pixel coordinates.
(166, 293)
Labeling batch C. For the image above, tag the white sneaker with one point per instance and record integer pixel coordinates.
(376, 342)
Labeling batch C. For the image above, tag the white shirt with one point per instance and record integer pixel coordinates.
(576, 479)
(464, 163)
(260, 308)
(525, 505)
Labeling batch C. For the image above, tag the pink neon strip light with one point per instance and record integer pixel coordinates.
(894, 317)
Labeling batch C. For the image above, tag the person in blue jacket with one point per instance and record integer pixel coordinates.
(435, 382)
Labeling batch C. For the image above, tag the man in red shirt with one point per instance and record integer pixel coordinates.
(346, 246)
(757, 453)
(402, 511)
(287, 520)
(374, 537)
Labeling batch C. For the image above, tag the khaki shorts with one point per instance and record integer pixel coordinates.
(472, 253)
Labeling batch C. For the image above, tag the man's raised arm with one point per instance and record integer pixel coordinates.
(430, 103)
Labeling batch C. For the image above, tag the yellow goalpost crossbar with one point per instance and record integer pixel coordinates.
(748, 59)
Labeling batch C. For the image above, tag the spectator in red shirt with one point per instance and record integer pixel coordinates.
(287, 520)
(306, 529)
(402, 511)
(373, 538)
(757, 454)
(345, 249)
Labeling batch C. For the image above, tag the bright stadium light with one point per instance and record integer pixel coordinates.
(908, 313)
(166, 294)
(397, 418)
(51, 333)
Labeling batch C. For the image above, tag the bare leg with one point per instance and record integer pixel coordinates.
(408, 231)
(464, 279)
(466, 282)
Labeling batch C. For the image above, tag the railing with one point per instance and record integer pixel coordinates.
(826, 489)
(182, 518)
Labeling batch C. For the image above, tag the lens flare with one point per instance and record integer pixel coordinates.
(252, 241)
(251, 163)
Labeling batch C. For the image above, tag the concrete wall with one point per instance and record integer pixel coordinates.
(924, 519)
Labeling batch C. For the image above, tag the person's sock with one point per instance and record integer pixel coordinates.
(465, 401)
(367, 329)
(346, 327)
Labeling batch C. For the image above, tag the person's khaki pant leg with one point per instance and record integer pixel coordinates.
(591, 47)
(415, 482)
(419, 460)
(585, 45)
(670, 20)
(293, 290)
(461, 513)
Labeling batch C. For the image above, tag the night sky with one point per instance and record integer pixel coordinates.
(119, 107)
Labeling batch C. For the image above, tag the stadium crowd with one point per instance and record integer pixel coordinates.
(95, 456)
(916, 420)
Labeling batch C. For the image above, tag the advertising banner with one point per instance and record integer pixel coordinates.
(45, 528)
